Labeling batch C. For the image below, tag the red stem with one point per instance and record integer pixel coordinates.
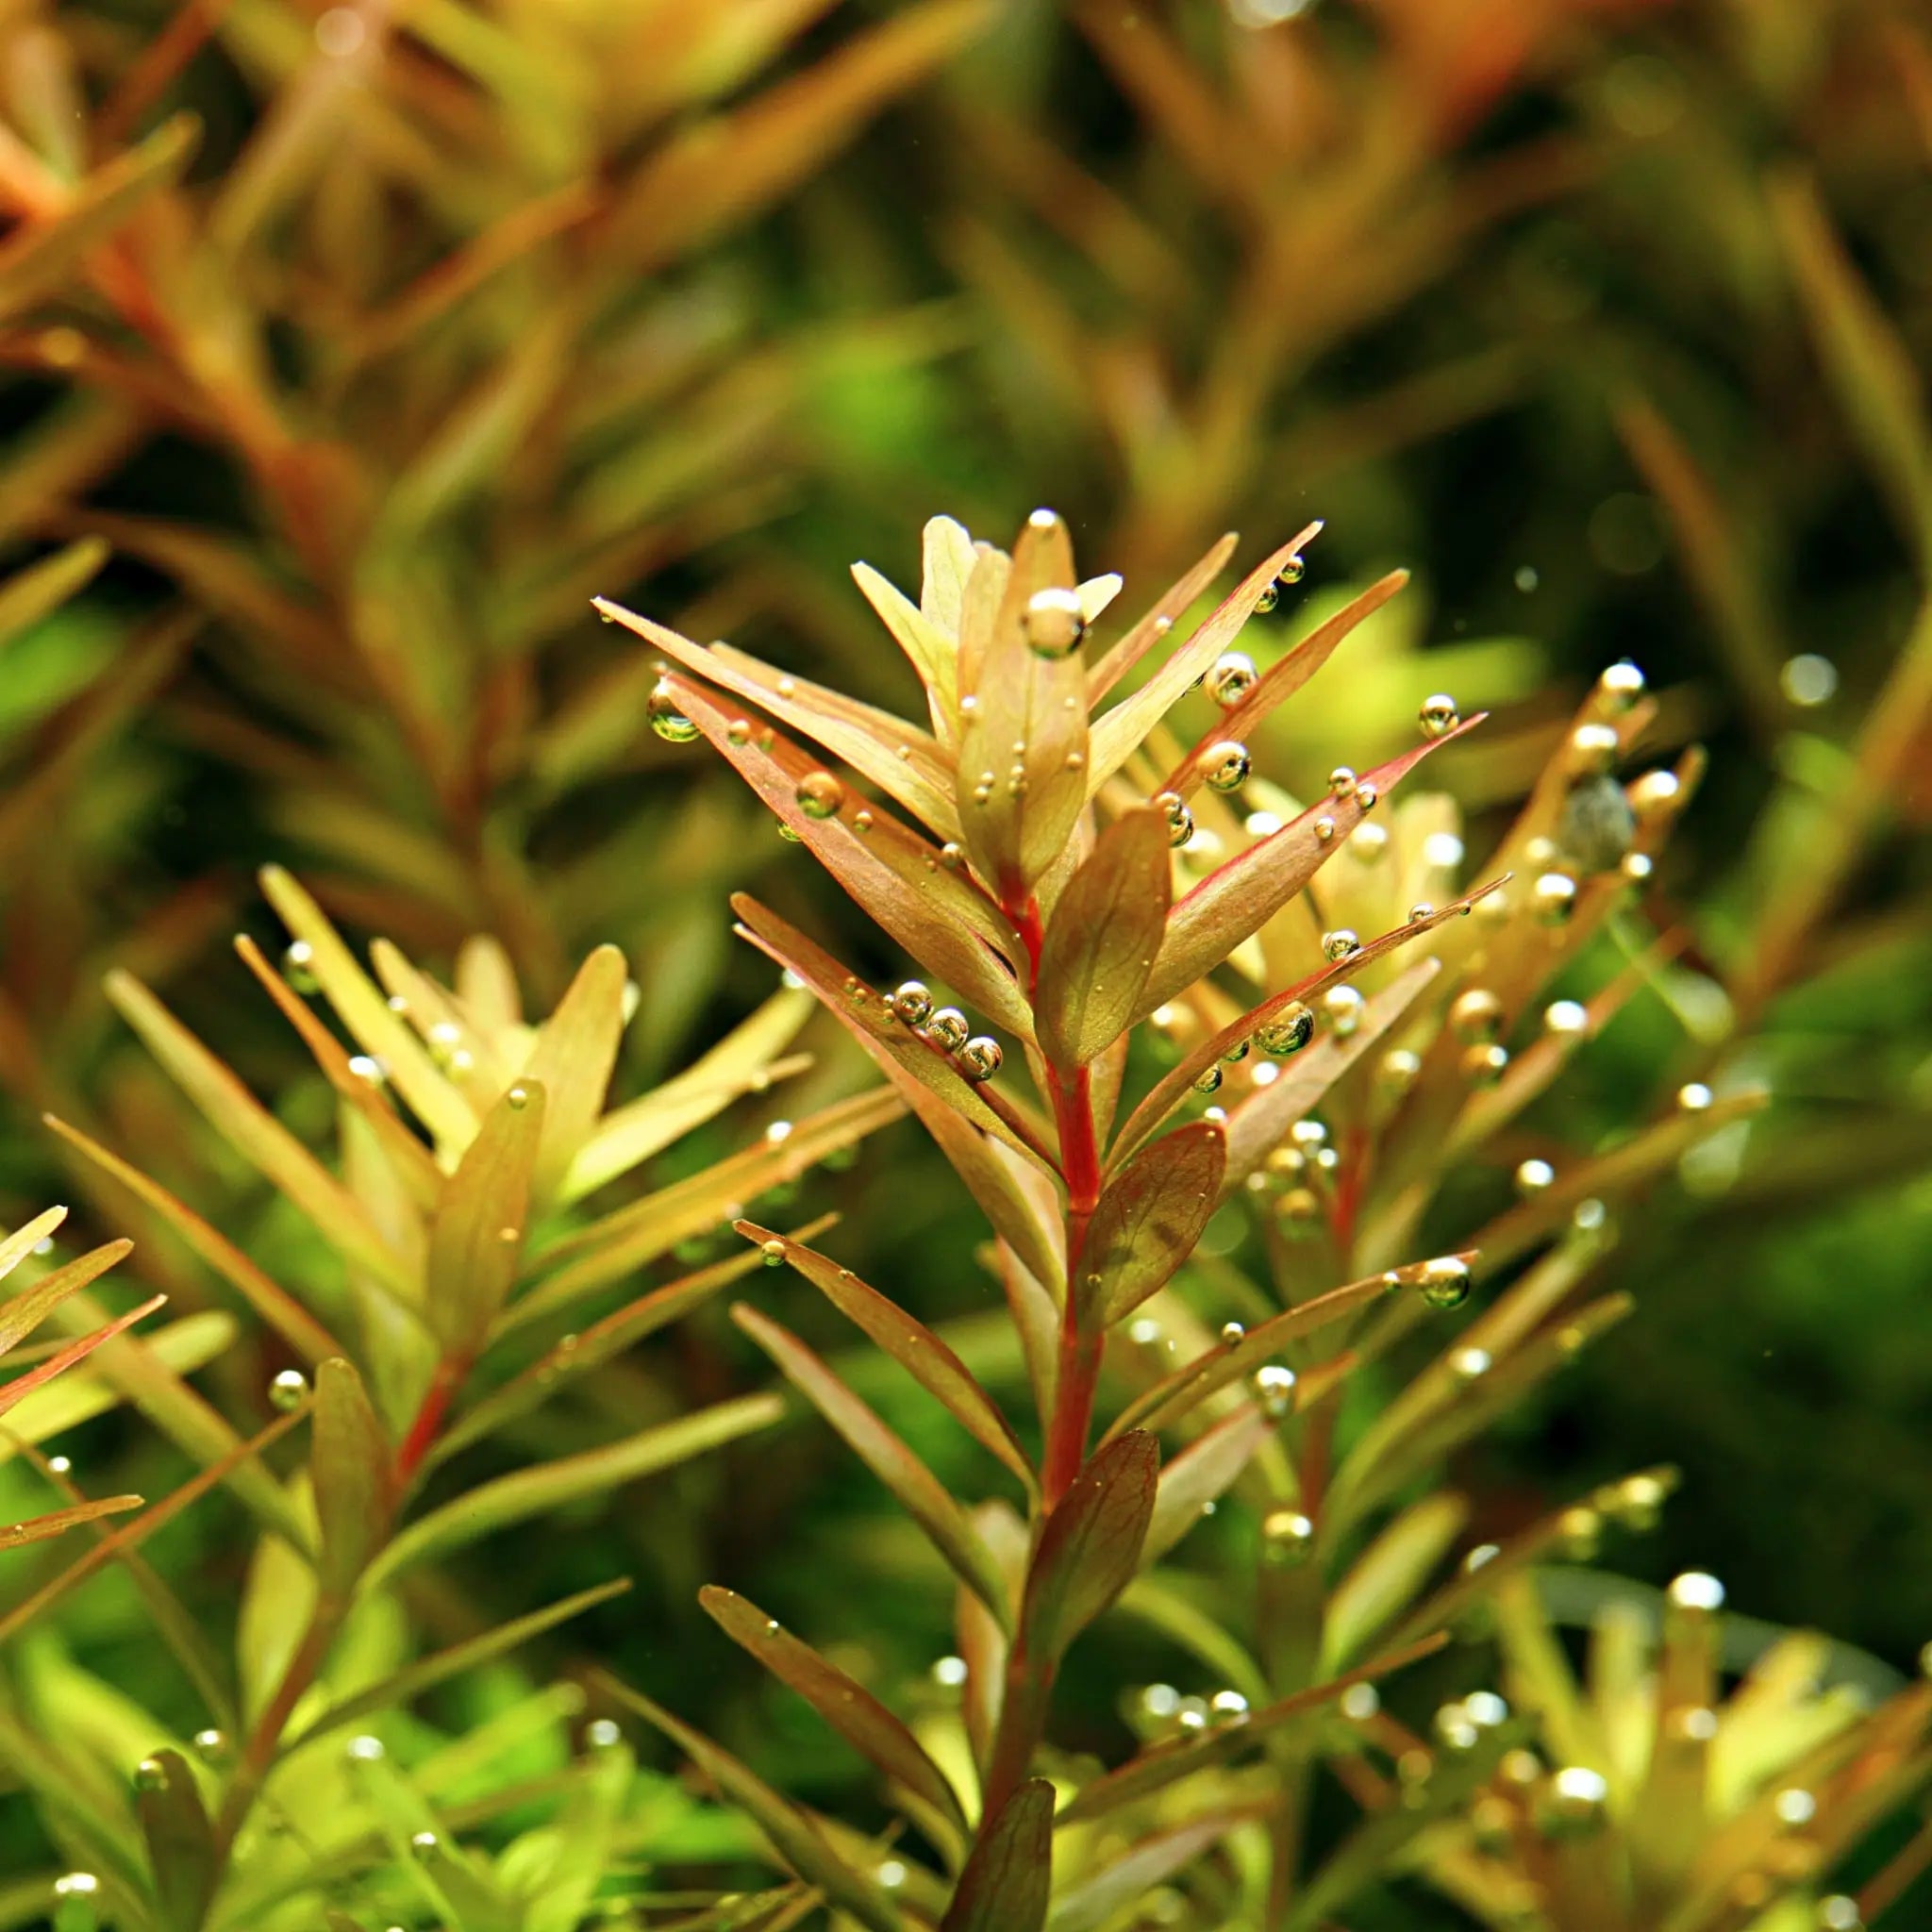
(428, 1422)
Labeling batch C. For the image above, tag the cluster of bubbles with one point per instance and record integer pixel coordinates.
(1160, 1709)
(976, 1055)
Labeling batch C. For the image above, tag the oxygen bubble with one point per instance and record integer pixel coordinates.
(1261, 825)
(1338, 945)
(1481, 1557)
(150, 1774)
(1838, 1913)
(76, 1885)
(288, 1390)
(1593, 747)
(1485, 1064)
(1161, 1701)
(1399, 1068)
(603, 1734)
(1439, 715)
(1145, 1332)
(979, 1059)
(1453, 1728)
(1532, 1176)
(738, 731)
(1231, 679)
(1697, 1591)
(772, 1252)
(1053, 623)
(367, 1067)
(666, 721)
(1637, 866)
(1368, 843)
(209, 1744)
(1207, 1081)
(1484, 1709)
(1525, 579)
(1360, 1703)
(518, 1097)
(1695, 1098)
(952, 854)
(1579, 1532)
(949, 1672)
(819, 795)
(1794, 1807)
(1476, 1015)
(1554, 896)
(912, 1002)
(1443, 1283)
(1443, 850)
(947, 1029)
(1808, 680)
(1232, 1332)
(1224, 766)
(1695, 1725)
(1287, 1538)
(1620, 685)
(1275, 1389)
(892, 1874)
(364, 1750)
(1420, 912)
(1574, 1801)
(1299, 1205)
(1228, 1708)
(1237, 1053)
(1269, 598)
(1324, 830)
(1343, 1004)
(298, 966)
(1469, 1364)
(423, 1843)
(1366, 796)
(1309, 1135)
(1289, 1031)
(1566, 1018)
(59, 1465)
(1654, 793)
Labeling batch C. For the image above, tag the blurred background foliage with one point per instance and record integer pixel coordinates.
(348, 350)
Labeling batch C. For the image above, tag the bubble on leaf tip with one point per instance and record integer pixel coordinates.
(288, 1390)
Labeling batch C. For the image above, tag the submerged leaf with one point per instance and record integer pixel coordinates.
(1092, 1544)
(1149, 1217)
(476, 1237)
(1008, 1878)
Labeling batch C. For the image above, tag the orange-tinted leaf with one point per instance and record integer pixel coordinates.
(1102, 939)
(794, 1837)
(350, 1465)
(44, 1372)
(1149, 1217)
(919, 1492)
(928, 648)
(1158, 622)
(17, 1246)
(1008, 1878)
(1281, 680)
(853, 1711)
(1015, 1196)
(58, 1521)
(42, 587)
(1022, 744)
(937, 914)
(1173, 1758)
(1092, 1544)
(1199, 1476)
(272, 1303)
(476, 1235)
(20, 1314)
(889, 1040)
(1119, 733)
(912, 1344)
(1238, 898)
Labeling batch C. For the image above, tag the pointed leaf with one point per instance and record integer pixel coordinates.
(853, 1711)
(575, 1052)
(44, 1372)
(527, 1492)
(55, 1522)
(1090, 1546)
(912, 1344)
(459, 1660)
(273, 1304)
(1096, 1900)
(1200, 1473)
(918, 1490)
(1008, 1878)
(20, 1314)
(927, 646)
(1102, 939)
(17, 1246)
(476, 1236)
(181, 1842)
(796, 1840)
(42, 587)
(350, 1467)
(947, 557)
(1388, 1576)
(1159, 620)
(1235, 900)
(1149, 1217)
(1119, 733)
(255, 1133)
(1022, 745)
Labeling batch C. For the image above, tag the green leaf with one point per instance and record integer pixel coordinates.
(181, 1842)
(527, 1492)
(1388, 1576)
(1203, 1472)
(853, 1711)
(912, 1344)
(350, 1467)
(476, 1236)
(918, 1490)
(1092, 1544)
(40, 256)
(1149, 1217)
(797, 1840)
(1235, 900)
(1022, 746)
(573, 1060)
(20, 1314)
(1008, 1878)
(1098, 1898)
(426, 1673)
(1102, 939)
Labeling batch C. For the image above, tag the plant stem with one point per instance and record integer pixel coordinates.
(428, 1419)
(1080, 1342)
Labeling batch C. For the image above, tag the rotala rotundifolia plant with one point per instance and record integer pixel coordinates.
(1224, 994)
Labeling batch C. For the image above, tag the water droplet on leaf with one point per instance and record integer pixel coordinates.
(666, 721)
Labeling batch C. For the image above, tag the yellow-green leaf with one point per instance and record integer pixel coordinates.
(476, 1237)
(350, 1467)
(571, 1062)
